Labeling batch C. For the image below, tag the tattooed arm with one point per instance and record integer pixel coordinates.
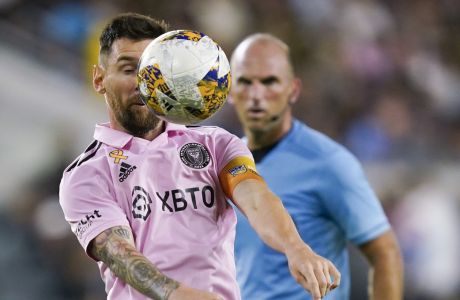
(115, 247)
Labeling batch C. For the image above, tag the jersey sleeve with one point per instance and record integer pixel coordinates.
(237, 170)
(88, 203)
(350, 200)
(235, 162)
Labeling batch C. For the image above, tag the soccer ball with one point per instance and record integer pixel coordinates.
(184, 76)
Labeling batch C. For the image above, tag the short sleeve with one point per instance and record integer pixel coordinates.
(238, 169)
(229, 147)
(350, 200)
(88, 203)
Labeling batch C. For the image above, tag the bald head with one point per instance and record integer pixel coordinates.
(262, 46)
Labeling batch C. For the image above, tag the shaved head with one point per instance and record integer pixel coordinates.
(260, 41)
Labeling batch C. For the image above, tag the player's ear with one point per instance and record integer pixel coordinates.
(98, 79)
(296, 88)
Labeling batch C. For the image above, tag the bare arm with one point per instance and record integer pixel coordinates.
(115, 247)
(386, 274)
(270, 220)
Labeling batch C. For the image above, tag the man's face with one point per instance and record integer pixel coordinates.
(263, 86)
(118, 83)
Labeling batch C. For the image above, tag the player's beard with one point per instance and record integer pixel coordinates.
(137, 120)
(259, 125)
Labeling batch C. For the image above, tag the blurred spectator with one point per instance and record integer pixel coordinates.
(385, 132)
(427, 223)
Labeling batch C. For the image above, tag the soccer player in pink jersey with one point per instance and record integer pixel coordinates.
(148, 199)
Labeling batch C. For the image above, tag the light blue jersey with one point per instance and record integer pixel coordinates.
(325, 191)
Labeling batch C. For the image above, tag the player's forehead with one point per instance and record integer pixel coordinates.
(260, 60)
(127, 50)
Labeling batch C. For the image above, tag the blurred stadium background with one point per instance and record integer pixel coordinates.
(381, 77)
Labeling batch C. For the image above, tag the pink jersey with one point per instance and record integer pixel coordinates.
(167, 190)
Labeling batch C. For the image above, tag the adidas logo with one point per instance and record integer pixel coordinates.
(125, 170)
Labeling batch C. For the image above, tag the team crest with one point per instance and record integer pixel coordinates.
(194, 155)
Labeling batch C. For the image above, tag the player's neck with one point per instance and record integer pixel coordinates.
(152, 134)
(149, 135)
(258, 139)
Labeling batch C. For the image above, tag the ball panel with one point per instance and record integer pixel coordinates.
(181, 34)
(151, 84)
(185, 88)
(214, 94)
(224, 65)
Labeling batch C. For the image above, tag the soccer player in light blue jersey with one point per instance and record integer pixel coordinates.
(321, 184)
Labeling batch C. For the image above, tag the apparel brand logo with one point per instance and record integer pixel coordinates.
(194, 155)
(125, 170)
(117, 155)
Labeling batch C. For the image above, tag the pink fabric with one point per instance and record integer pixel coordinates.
(168, 192)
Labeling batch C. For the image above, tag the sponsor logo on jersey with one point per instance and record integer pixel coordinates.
(84, 224)
(141, 203)
(117, 155)
(125, 170)
(181, 199)
(241, 169)
(194, 155)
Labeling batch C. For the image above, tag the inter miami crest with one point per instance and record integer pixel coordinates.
(194, 155)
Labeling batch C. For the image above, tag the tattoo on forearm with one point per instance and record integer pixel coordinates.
(123, 232)
(126, 262)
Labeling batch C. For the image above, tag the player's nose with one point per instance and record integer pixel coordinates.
(255, 91)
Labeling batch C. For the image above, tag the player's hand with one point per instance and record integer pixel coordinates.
(187, 293)
(312, 272)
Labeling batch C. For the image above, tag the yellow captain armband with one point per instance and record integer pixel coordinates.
(237, 170)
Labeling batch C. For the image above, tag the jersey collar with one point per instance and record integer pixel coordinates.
(174, 127)
(119, 139)
(110, 136)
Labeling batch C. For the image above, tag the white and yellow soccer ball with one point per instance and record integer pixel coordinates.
(184, 77)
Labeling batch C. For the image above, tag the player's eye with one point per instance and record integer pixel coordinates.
(269, 80)
(243, 81)
(129, 70)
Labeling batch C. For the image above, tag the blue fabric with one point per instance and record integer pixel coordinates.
(325, 190)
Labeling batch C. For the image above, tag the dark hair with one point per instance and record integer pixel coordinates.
(133, 26)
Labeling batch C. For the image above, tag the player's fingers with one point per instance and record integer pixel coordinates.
(335, 274)
(328, 278)
(321, 278)
(307, 279)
